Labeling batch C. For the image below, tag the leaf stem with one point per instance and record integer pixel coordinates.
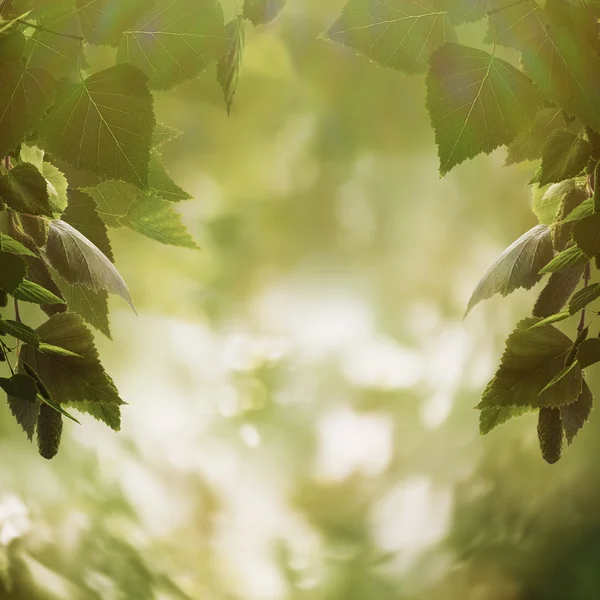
(46, 30)
(506, 6)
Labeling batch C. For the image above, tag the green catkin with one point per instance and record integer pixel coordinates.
(49, 431)
(550, 434)
(557, 291)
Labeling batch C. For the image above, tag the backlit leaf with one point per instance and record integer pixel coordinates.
(565, 155)
(260, 12)
(230, 65)
(24, 189)
(12, 271)
(583, 297)
(575, 415)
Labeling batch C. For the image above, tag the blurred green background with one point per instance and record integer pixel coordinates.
(300, 421)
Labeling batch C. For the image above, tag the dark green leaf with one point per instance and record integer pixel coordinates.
(586, 233)
(25, 413)
(20, 331)
(588, 352)
(583, 297)
(230, 65)
(565, 155)
(517, 267)
(560, 376)
(104, 124)
(477, 102)
(557, 291)
(571, 257)
(20, 386)
(12, 271)
(532, 358)
(400, 35)
(24, 189)
(562, 232)
(574, 416)
(27, 291)
(489, 418)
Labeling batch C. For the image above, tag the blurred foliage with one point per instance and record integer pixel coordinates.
(299, 421)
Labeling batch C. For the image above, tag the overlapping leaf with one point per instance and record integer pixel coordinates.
(575, 415)
(24, 189)
(514, 23)
(230, 65)
(565, 155)
(477, 102)
(260, 12)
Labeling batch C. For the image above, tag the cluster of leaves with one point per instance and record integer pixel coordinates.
(78, 155)
(546, 107)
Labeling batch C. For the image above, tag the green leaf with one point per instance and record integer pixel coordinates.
(24, 189)
(567, 71)
(20, 331)
(79, 261)
(477, 102)
(51, 349)
(575, 415)
(12, 246)
(161, 183)
(163, 134)
(27, 291)
(175, 42)
(82, 214)
(571, 257)
(464, 11)
(586, 234)
(588, 352)
(12, 271)
(260, 12)
(555, 318)
(489, 418)
(532, 358)
(20, 386)
(561, 231)
(565, 155)
(560, 376)
(230, 65)
(546, 199)
(25, 96)
(585, 209)
(557, 291)
(517, 267)
(400, 35)
(57, 186)
(529, 143)
(90, 305)
(104, 125)
(120, 204)
(584, 297)
(72, 381)
(514, 23)
(550, 434)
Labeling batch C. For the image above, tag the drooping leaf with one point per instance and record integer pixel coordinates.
(517, 267)
(27, 291)
(557, 291)
(12, 271)
(20, 331)
(546, 199)
(566, 371)
(400, 34)
(20, 386)
(161, 183)
(25, 413)
(584, 297)
(24, 189)
(550, 434)
(514, 23)
(73, 381)
(490, 418)
(90, 305)
(588, 352)
(49, 431)
(230, 64)
(120, 204)
(477, 102)
(529, 143)
(260, 12)
(555, 318)
(575, 415)
(586, 234)
(571, 257)
(175, 41)
(104, 125)
(25, 96)
(565, 155)
(79, 261)
(82, 214)
(12, 246)
(532, 358)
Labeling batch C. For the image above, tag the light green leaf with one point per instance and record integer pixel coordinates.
(260, 12)
(529, 143)
(57, 188)
(51, 349)
(517, 267)
(74, 381)
(575, 415)
(555, 318)
(477, 102)
(175, 41)
(20, 331)
(24, 189)
(399, 34)
(585, 209)
(514, 23)
(584, 297)
(20, 386)
(571, 257)
(560, 376)
(11, 246)
(27, 291)
(104, 125)
(161, 183)
(163, 134)
(79, 261)
(588, 352)
(532, 358)
(565, 155)
(586, 234)
(120, 204)
(230, 65)
(546, 199)
(12, 271)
